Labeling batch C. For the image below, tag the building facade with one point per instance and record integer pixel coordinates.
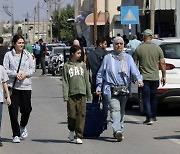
(106, 12)
(162, 25)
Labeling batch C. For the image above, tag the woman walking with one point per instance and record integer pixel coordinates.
(113, 79)
(19, 66)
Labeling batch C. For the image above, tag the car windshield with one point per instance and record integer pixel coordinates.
(171, 51)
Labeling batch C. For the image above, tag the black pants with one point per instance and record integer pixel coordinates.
(43, 65)
(37, 60)
(20, 99)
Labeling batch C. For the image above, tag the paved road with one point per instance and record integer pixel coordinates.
(48, 129)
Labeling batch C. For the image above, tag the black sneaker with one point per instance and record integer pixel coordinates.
(148, 122)
(1, 143)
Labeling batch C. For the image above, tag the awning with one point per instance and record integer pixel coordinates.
(100, 19)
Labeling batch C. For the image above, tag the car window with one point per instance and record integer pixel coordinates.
(58, 50)
(171, 51)
(49, 48)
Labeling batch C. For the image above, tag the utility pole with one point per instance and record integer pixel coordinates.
(34, 29)
(43, 29)
(1, 24)
(47, 22)
(59, 15)
(106, 17)
(95, 22)
(12, 18)
(76, 6)
(50, 18)
(177, 27)
(152, 15)
(27, 26)
(76, 13)
(38, 14)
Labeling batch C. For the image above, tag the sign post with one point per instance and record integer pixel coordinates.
(129, 15)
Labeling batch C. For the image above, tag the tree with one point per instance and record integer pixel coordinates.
(66, 29)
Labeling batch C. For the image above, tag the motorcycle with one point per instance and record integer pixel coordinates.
(56, 64)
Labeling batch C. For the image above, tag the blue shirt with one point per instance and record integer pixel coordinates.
(110, 73)
(134, 44)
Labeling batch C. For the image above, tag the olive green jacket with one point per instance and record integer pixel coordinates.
(75, 80)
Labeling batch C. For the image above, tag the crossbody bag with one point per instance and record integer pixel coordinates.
(122, 90)
(15, 79)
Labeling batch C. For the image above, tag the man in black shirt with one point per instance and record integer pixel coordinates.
(3, 50)
(43, 51)
(94, 60)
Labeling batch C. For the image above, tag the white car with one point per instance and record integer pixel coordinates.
(170, 93)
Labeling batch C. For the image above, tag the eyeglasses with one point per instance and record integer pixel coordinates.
(119, 43)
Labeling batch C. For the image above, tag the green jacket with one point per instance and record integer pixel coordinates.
(75, 80)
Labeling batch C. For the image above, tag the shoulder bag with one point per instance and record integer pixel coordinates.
(15, 79)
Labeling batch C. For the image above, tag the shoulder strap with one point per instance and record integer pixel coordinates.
(122, 75)
(15, 79)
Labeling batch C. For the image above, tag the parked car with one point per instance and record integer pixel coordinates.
(170, 93)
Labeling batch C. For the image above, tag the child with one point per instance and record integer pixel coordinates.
(76, 88)
(3, 84)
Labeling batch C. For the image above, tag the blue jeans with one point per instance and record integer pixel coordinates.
(149, 95)
(1, 106)
(117, 111)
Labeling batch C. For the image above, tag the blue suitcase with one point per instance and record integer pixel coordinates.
(94, 123)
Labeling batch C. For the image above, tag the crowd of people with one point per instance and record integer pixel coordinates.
(109, 72)
(85, 78)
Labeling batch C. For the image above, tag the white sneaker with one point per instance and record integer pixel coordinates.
(79, 141)
(23, 132)
(71, 135)
(16, 139)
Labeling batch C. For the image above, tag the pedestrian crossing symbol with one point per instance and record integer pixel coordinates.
(129, 15)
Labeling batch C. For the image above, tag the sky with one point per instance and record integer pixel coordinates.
(21, 7)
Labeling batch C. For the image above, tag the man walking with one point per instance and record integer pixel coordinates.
(43, 52)
(3, 50)
(150, 58)
(94, 60)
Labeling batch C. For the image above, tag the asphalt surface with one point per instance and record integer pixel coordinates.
(48, 133)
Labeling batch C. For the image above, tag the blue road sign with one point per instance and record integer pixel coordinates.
(129, 15)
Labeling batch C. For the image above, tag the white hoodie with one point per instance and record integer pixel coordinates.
(11, 63)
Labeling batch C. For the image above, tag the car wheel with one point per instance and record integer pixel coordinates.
(141, 105)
